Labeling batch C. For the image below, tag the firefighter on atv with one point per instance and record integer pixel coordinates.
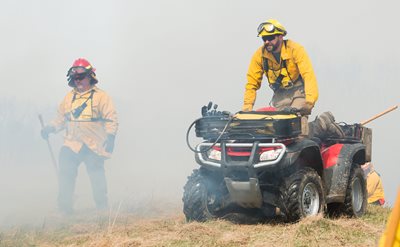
(290, 75)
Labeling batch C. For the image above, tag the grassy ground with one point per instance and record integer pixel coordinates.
(127, 229)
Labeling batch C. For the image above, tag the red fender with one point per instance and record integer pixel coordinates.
(330, 155)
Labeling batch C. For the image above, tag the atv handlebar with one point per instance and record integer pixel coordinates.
(206, 111)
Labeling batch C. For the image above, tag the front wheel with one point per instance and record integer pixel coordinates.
(304, 195)
(356, 193)
(201, 200)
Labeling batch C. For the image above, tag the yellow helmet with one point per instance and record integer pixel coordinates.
(271, 27)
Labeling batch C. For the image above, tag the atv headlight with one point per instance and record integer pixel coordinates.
(270, 154)
(214, 154)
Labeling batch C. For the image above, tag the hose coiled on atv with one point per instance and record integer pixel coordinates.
(215, 142)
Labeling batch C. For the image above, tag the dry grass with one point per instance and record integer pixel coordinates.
(128, 229)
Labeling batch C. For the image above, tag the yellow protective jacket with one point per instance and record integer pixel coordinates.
(375, 187)
(391, 236)
(297, 64)
(91, 127)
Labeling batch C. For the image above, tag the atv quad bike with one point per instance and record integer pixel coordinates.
(256, 163)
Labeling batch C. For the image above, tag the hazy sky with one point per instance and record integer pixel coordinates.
(161, 61)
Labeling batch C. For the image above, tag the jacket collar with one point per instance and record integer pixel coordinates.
(284, 52)
(94, 88)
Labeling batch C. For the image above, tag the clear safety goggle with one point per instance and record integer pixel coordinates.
(267, 26)
(77, 70)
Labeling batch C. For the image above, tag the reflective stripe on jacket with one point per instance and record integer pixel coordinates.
(97, 119)
(297, 64)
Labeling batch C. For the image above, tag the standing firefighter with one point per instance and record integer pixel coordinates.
(288, 69)
(90, 120)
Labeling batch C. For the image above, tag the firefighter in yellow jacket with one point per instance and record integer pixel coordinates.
(290, 75)
(88, 116)
(376, 195)
(287, 68)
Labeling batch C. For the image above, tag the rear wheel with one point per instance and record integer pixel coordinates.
(201, 198)
(356, 193)
(304, 194)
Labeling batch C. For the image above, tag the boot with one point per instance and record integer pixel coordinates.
(315, 130)
(324, 126)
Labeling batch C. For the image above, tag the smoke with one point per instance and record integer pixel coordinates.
(160, 62)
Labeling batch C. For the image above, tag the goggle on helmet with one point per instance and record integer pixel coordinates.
(80, 72)
(268, 28)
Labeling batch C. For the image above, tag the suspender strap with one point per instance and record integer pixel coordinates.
(265, 64)
(278, 82)
(78, 111)
(265, 60)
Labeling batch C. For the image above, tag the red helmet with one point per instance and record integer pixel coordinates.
(81, 62)
(76, 68)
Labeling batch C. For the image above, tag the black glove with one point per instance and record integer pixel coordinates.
(46, 131)
(289, 109)
(109, 143)
(306, 109)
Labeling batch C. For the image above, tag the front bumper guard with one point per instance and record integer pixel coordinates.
(254, 147)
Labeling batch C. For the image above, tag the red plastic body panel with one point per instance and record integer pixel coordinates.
(330, 155)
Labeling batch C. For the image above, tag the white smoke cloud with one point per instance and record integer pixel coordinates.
(161, 61)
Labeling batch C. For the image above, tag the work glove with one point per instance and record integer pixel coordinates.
(306, 109)
(46, 131)
(109, 143)
(289, 109)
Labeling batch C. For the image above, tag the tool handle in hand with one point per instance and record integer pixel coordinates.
(41, 120)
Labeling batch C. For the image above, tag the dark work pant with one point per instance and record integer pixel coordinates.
(68, 171)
